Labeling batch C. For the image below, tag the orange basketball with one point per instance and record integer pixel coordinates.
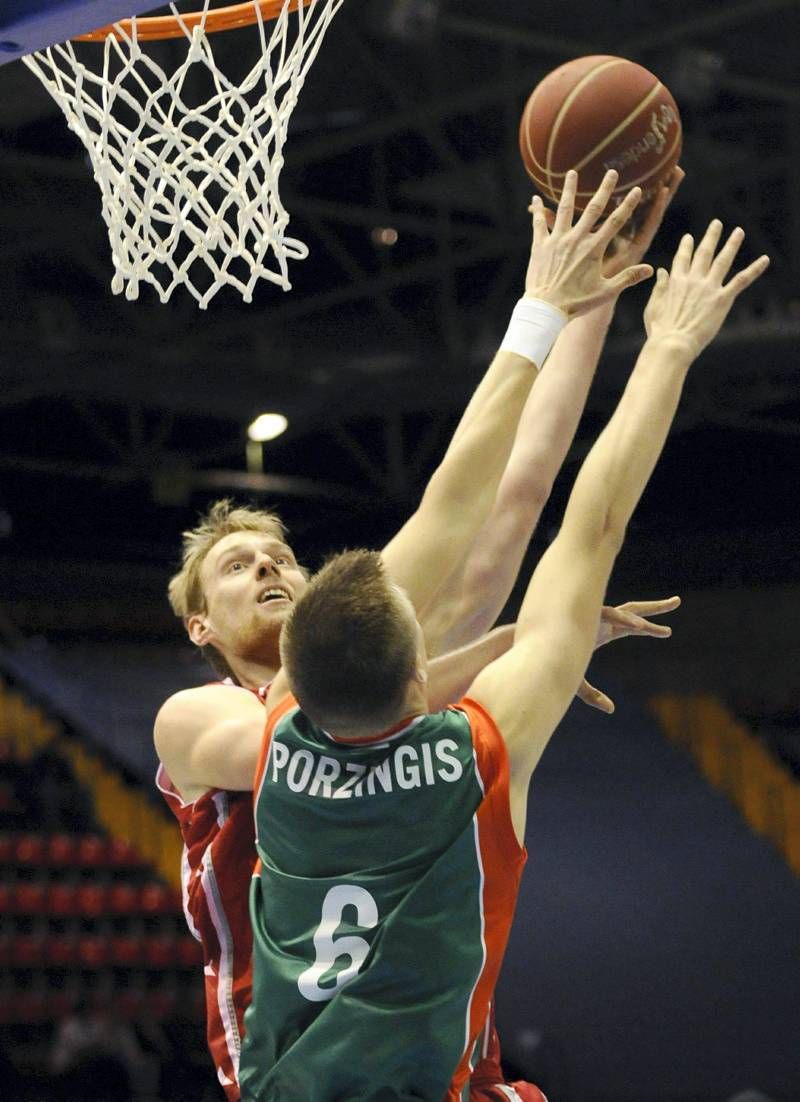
(597, 113)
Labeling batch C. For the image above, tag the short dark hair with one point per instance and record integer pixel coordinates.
(349, 646)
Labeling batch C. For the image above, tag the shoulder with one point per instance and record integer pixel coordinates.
(187, 715)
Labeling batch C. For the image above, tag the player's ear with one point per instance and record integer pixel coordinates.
(198, 628)
(421, 674)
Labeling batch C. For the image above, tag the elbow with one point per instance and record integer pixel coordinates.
(614, 530)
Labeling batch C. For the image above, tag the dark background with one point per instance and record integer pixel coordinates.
(120, 421)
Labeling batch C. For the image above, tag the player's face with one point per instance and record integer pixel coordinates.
(250, 581)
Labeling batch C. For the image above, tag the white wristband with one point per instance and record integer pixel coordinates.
(533, 329)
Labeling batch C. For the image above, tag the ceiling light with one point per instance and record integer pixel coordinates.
(267, 426)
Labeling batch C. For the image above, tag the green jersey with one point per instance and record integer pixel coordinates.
(381, 906)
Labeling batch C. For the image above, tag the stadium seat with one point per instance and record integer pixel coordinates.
(29, 849)
(122, 855)
(92, 900)
(123, 899)
(62, 901)
(62, 851)
(61, 951)
(30, 898)
(155, 899)
(6, 849)
(162, 1003)
(92, 851)
(160, 951)
(27, 951)
(93, 951)
(189, 952)
(127, 951)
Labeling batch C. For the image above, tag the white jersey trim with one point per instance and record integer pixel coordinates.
(227, 1011)
(476, 832)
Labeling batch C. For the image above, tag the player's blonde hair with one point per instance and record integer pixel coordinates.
(185, 589)
(349, 646)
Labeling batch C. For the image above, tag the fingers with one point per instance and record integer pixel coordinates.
(617, 219)
(599, 201)
(683, 256)
(748, 275)
(651, 608)
(629, 277)
(727, 254)
(595, 699)
(566, 204)
(540, 232)
(704, 255)
(676, 179)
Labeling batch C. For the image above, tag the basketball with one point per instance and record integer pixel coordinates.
(597, 113)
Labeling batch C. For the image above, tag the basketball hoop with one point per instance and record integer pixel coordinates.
(189, 181)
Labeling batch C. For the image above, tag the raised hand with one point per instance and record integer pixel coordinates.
(619, 622)
(566, 265)
(625, 250)
(690, 303)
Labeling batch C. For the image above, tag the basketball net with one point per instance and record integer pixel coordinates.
(190, 189)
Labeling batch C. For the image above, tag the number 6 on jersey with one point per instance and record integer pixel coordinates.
(329, 949)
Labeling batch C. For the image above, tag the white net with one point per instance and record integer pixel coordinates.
(189, 162)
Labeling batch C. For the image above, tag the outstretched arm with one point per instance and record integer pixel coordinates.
(565, 272)
(530, 687)
(476, 592)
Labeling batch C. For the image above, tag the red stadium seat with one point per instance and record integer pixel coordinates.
(123, 899)
(5, 952)
(162, 1003)
(6, 897)
(30, 898)
(155, 899)
(60, 1003)
(189, 952)
(61, 951)
(92, 851)
(130, 1002)
(62, 850)
(122, 855)
(160, 951)
(6, 849)
(127, 951)
(27, 951)
(62, 901)
(29, 849)
(93, 951)
(29, 1007)
(92, 900)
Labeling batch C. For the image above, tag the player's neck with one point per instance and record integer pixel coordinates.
(252, 674)
(415, 704)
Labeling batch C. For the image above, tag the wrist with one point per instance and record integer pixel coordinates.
(679, 346)
(533, 329)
